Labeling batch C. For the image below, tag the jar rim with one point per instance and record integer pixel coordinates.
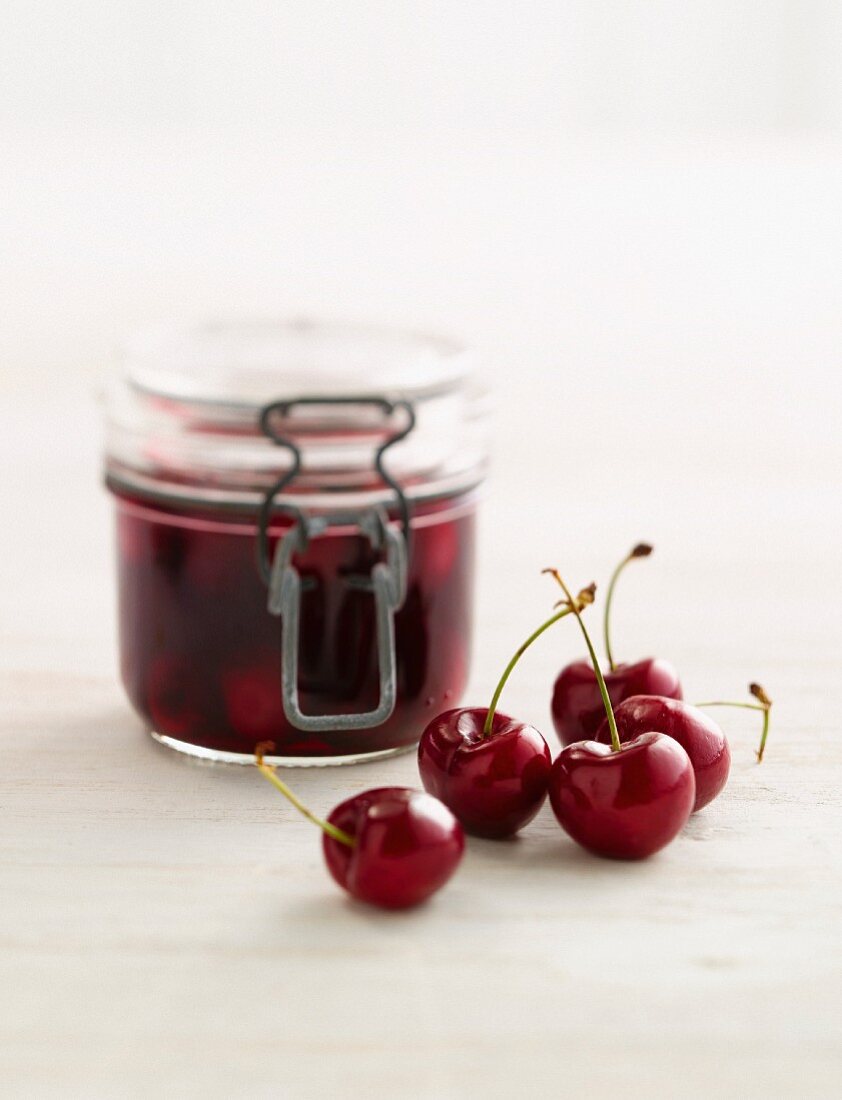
(243, 363)
(184, 410)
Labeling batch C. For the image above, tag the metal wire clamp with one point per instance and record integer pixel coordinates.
(388, 580)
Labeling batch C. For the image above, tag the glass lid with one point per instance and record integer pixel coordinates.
(248, 364)
(184, 412)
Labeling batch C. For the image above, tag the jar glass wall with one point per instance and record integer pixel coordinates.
(194, 473)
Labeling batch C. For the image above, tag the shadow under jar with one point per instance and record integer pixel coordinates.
(295, 508)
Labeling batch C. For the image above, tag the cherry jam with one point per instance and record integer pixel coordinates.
(201, 655)
(247, 460)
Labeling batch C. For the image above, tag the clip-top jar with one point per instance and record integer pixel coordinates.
(295, 535)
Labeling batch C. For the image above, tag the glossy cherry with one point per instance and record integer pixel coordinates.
(489, 769)
(623, 801)
(407, 844)
(699, 736)
(577, 707)
(494, 784)
(391, 847)
(625, 804)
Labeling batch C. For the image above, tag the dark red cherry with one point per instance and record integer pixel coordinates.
(253, 702)
(176, 701)
(577, 706)
(491, 770)
(406, 846)
(699, 736)
(494, 784)
(625, 804)
(391, 847)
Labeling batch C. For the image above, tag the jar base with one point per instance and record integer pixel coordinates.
(217, 756)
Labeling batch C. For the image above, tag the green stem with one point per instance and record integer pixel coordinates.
(600, 679)
(642, 550)
(492, 709)
(325, 826)
(728, 703)
(764, 704)
(763, 736)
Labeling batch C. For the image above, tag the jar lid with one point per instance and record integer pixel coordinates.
(185, 413)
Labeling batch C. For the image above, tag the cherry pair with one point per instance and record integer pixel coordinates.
(646, 696)
(577, 706)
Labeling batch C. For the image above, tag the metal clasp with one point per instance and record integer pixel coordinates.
(388, 580)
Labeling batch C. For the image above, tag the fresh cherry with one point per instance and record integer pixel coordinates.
(576, 704)
(577, 707)
(623, 804)
(624, 801)
(391, 847)
(252, 693)
(495, 783)
(699, 736)
(489, 769)
(406, 846)
(177, 704)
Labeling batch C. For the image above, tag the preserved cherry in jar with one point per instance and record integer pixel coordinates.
(295, 510)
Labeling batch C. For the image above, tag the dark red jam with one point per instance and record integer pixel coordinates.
(201, 654)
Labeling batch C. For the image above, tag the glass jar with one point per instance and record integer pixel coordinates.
(295, 509)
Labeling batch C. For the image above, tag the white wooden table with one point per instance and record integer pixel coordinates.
(168, 929)
(666, 338)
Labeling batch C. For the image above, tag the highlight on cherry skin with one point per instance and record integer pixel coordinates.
(700, 737)
(577, 707)
(622, 800)
(489, 769)
(391, 847)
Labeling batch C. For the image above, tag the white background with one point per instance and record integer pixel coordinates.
(631, 208)
(587, 170)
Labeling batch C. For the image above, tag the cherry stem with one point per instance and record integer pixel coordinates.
(763, 735)
(642, 550)
(600, 679)
(269, 773)
(764, 704)
(495, 698)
